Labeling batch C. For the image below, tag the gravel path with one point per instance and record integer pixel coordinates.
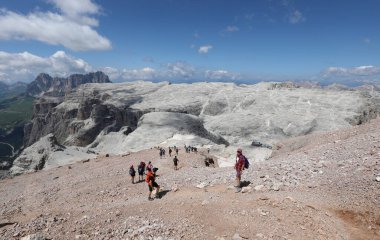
(324, 186)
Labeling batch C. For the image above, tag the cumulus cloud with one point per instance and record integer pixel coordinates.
(146, 73)
(296, 17)
(26, 66)
(112, 73)
(361, 74)
(180, 70)
(204, 49)
(72, 27)
(221, 75)
(355, 71)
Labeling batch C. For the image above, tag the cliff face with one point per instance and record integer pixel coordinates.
(105, 117)
(46, 119)
(119, 118)
(46, 85)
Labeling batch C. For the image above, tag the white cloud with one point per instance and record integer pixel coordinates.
(112, 73)
(26, 66)
(179, 70)
(221, 75)
(204, 49)
(76, 8)
(361, 74)
(146, 73)
(72, 28)
(355, 71)
(231, 29)
(296, 17)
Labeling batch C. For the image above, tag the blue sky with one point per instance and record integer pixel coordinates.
(192, 40)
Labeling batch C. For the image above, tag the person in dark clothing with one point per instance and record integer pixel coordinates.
(141, 170)
(132, 173)
(175, 161)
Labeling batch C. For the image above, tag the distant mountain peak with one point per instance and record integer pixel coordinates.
(44, 84)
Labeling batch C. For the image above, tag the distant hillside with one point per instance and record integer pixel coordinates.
(14, 112)
(46, 85)
(10, 90)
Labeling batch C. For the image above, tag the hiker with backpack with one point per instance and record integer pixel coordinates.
(149, 166)
(175, 161)
(240, 165)
(141, 170)
(151, 180)
(132, 173)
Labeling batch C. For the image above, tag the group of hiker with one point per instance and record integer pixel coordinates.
(162, 151)
(150, 178)
(241, 163)
(189, 149)
(142, 168)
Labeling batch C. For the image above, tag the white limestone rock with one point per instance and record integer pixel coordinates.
(47, 153)
(221, 115)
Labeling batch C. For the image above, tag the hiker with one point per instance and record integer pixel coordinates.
(176, 151)
(149, 166)
(151, 180)
(132, 173)
(141, 170)
(239, 167)
(175, 161)
(209, 161)
(170, 152)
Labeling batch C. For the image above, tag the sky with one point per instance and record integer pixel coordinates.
(192, 40)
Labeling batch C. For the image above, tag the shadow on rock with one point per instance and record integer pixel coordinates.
(245, 183)
(163, 193)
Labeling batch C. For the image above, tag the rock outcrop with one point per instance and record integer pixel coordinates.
(117, 118)
(46, 85)
(47, 153)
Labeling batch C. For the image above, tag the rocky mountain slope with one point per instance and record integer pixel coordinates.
(17, 108)
(319, 186)
(46, 85)
(120, 118)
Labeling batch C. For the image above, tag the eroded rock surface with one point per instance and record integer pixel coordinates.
(118, 118)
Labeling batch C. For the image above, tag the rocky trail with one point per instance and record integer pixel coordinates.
(322, 186)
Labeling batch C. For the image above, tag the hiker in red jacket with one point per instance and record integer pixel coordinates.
(151, 180)
(239, 167)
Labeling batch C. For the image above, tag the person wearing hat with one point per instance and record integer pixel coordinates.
(239, 167)
(151, 180)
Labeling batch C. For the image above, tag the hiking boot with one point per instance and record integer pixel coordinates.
(150, 199)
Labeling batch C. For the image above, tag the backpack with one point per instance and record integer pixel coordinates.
(148, 175)
(246, 163)
(132, 171)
